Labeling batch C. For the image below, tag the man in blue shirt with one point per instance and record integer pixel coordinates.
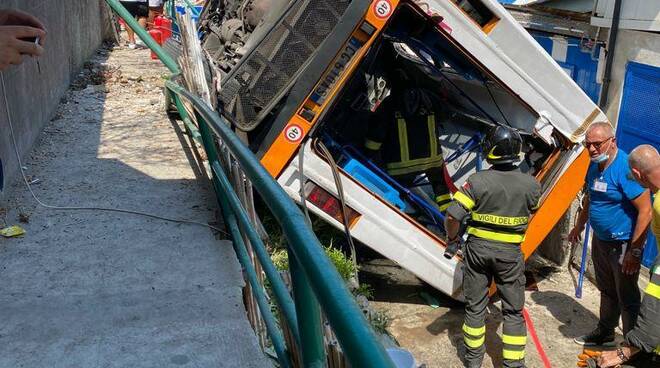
(619, 211)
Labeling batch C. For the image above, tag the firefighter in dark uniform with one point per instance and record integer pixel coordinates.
(496, 203)
(403, 135)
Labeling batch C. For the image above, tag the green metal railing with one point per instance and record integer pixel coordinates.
(316, 284)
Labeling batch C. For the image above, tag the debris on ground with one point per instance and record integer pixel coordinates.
(12, 231)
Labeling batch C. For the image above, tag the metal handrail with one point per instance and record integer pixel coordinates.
(316, 284)
(349, 324)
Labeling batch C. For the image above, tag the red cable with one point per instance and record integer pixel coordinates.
(537, 343)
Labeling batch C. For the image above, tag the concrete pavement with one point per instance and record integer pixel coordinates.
(102, 289)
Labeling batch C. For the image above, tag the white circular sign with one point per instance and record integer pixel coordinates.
(383, 9)
(293, 133)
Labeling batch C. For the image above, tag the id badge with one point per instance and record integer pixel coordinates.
(600, 186)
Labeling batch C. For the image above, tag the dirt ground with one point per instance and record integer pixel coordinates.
(434, 335)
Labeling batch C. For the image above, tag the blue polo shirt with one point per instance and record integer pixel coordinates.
(611, 212)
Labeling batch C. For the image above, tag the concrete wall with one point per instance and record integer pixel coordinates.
(75, 31)
(642, 47)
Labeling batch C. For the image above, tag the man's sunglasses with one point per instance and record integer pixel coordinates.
(596, 144)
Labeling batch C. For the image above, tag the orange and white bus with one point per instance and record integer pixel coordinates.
(301, 74)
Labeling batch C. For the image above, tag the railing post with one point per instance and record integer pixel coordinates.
(232, 225)
(308, 311)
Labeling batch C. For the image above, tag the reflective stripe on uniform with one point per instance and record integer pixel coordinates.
(513, 354)
(444, 206)
(474, 337)
(443, 197)
(499, 220)
(514, 340)
(474, 331)
(433, 139)
(657, 350)
(372, 145)
(474, 343)
(464, 200)
(444, 201)
(653, 290)
(403, 138)
(496, 236)
(405, 164)
(410, 166)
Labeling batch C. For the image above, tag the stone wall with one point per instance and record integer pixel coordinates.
(75, 30)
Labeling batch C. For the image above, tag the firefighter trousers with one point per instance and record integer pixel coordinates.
(436, 178)
(484, 262)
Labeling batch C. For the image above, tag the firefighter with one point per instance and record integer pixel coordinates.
(496, 203)
(403, 135)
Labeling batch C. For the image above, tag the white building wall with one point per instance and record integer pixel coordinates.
(635, 14)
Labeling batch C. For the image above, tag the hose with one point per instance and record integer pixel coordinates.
(340, 192)
(535, 338)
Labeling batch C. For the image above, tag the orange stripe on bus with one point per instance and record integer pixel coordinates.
(282, 150)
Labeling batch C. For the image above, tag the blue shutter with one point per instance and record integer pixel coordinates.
(639, 121)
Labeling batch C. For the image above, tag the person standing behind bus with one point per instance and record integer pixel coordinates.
(619, 211)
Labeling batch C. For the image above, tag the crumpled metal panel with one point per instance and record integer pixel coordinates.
(267, 72)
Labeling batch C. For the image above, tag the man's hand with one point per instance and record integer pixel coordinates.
(630, 264)
(575, 234)
(12, 17)
(611, 358)
(13, 46)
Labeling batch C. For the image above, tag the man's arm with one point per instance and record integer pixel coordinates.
(458, 211)
(643, 205)
(452, 227)
(581, 222)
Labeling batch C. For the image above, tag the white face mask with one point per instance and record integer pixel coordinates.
(603, 156)
(600, 158)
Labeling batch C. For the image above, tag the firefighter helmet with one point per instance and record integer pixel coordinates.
(502, 145)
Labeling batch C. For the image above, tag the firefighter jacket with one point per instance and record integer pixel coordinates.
(499, 202)
(407, 142)
(646, 334)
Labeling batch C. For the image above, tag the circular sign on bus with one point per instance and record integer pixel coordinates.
(382, 9)
(293, 133)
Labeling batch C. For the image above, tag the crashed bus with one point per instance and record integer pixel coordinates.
(300, 79)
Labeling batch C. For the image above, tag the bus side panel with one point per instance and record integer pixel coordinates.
(556, 203)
